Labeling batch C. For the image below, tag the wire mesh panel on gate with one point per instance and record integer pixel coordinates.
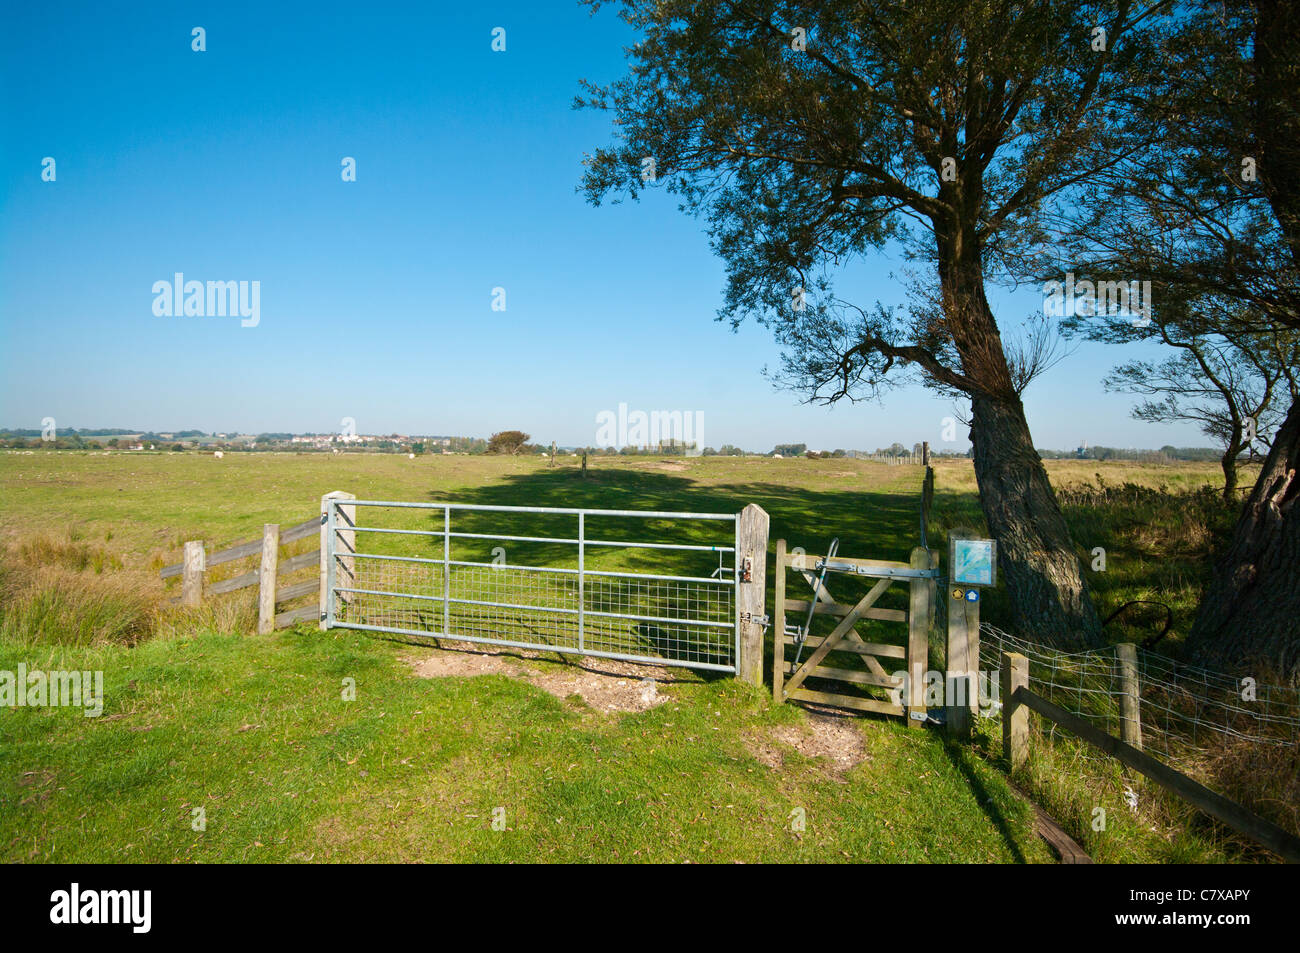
(643, 598)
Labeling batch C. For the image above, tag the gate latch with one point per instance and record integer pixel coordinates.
(747, 569)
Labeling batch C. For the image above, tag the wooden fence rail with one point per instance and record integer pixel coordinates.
(1018, 700)
(270, 596)
(303, 530)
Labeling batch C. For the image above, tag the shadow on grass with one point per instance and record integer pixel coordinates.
(960, 758)
(872, 523)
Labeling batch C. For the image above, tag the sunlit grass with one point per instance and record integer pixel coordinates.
(199, 713)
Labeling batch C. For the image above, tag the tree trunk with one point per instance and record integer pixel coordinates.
(1036, 554)
(1229, 464)
(1250, 613)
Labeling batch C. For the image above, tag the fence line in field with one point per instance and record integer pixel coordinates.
(194, 567)
(1179, 709)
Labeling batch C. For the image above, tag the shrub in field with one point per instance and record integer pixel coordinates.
(507, 441)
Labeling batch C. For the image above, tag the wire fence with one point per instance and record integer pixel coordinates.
(1183, 710)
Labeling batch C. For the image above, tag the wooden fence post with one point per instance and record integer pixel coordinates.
(919, 615)
(344, 546)
(266, 578)
(1130, 716)
(1015, 717)
(192, 574)
(751, 590)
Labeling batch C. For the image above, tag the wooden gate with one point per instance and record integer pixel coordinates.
(861, 663)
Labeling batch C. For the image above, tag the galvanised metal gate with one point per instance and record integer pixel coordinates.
(559, 580)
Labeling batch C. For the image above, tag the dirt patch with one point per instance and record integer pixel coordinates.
(606, 685)
(832, 737)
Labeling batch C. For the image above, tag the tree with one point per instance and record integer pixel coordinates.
(507, 441)
(790, 449)
(1215, 211)
(810, 133)
(1250, 610)
(1230, 382)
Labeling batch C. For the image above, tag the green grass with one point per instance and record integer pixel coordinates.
(254, 729)
(137, 509)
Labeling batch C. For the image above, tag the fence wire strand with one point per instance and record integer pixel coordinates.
(1182, 709)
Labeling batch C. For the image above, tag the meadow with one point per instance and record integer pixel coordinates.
(256, 731)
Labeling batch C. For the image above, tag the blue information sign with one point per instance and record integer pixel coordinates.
(973, 562)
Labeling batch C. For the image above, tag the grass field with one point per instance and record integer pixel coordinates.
(255, 730)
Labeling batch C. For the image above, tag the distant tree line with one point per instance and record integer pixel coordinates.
(1166, 454)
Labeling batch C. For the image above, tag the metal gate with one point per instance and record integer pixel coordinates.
(642, 586)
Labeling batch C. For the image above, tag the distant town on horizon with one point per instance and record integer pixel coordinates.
(121, 438)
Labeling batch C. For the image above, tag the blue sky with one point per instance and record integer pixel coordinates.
(376, 294)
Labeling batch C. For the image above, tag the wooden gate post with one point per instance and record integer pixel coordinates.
(919, 615)
(345, 543)
(962, 677)
(1130, 716)
(266, 578)
(751, 590)
(778, 626)
(1015, 716)
(192, 573)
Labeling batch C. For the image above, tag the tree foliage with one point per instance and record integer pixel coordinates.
(507, 441)
(809, 134)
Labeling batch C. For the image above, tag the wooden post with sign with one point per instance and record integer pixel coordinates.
(972, 566)
(961, 686)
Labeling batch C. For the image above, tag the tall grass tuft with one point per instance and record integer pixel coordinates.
(62, 590)
(54, 605)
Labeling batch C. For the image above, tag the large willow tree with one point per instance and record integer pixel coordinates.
(812, 133)
(1213, 215)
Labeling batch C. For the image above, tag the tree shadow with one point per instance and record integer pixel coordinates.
(959, 757)
(870, 523)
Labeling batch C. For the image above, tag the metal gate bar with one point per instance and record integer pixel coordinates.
(668, 616)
